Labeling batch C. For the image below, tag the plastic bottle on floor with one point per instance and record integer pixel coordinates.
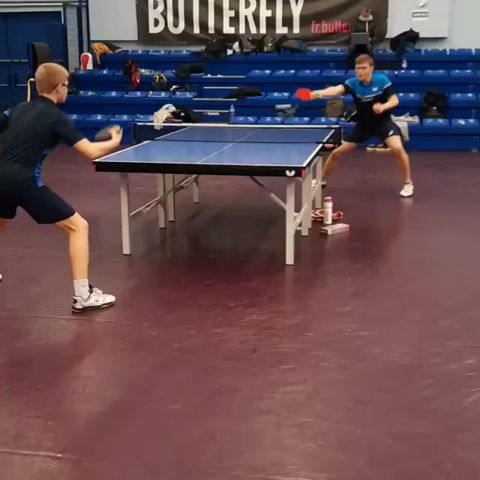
(327, 211)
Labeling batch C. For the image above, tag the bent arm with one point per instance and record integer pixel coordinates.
(93, 150)
(392, 102)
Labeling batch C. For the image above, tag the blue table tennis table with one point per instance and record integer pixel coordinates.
(180, 153)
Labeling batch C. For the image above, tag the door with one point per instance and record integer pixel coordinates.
(19, 29)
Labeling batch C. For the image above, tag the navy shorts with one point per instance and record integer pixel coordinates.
(383, 130)
(43, 205)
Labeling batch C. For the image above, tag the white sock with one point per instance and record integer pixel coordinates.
(81, 288)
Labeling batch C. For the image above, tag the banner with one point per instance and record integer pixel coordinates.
(193, 22)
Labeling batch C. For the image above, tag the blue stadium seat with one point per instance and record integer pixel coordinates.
(270, 120)
(297, 120)
(409, 99)
(113, 93)
(159, 94)
(463, 73)
(461, 53)
(136, 94)
(435, 123)
(435, 53)
(388, 73)
(463, 100)
(316, 51)
(121, 117)
(337, 52)
(143, 118)
(466, 124)
(277, 96)
(259, 73)
(75, 116)
(159, 52)
(86, 93)
(333, 73)
(97, 116)
(324, 121)
(409, 73)
(308, 73)
(435, 73)
(185, 94)
(244, 120)
(284, 73)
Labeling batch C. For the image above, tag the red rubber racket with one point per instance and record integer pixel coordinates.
(304, 94)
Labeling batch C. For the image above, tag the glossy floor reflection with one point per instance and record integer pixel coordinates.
(219, 362)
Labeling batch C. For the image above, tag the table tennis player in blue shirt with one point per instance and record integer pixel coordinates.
(374, 99)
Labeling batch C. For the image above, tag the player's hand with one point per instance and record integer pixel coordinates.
(116, 134)
(317, 94)
(378, 108)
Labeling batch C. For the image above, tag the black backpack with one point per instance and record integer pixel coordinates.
(129, 67)
(216, 47)
(185, 114)
(246, 46)
(159, 83)
(434, 105)
(268, 43)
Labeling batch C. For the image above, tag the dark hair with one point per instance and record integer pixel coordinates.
(364, 58)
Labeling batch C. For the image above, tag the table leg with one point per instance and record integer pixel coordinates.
(161, 205)
(170, 200)
(307, 200)
(125, 214)
(290, 222)
(196, 190)
(318, 178)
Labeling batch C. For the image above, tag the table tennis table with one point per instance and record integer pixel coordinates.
(180, 153)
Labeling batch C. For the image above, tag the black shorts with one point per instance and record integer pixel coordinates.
(383, 130)
(43, 205)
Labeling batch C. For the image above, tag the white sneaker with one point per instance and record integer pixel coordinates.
(407, 190)
(97, 299)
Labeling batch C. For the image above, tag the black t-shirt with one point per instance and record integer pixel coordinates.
(27, 131)
(379, 90)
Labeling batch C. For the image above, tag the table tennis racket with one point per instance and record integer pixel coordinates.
(304, 94)
(104, 134)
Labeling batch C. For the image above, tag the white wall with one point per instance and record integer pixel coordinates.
(111, 18)
(430, 18)
(464, 26)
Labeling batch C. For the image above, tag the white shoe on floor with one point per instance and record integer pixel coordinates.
(96, 300)
(407, 190)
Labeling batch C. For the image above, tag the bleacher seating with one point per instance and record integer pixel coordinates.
(105, 95)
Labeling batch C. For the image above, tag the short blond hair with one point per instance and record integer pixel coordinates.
(365, 58)
(49, 76)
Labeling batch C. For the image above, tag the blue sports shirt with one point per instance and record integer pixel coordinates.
(379, 90)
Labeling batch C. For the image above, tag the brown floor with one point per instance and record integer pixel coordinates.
(360, 363)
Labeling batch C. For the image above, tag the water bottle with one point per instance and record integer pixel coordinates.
(232, 113)
(327, 210)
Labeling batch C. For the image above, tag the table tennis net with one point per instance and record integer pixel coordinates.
(237, 134)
